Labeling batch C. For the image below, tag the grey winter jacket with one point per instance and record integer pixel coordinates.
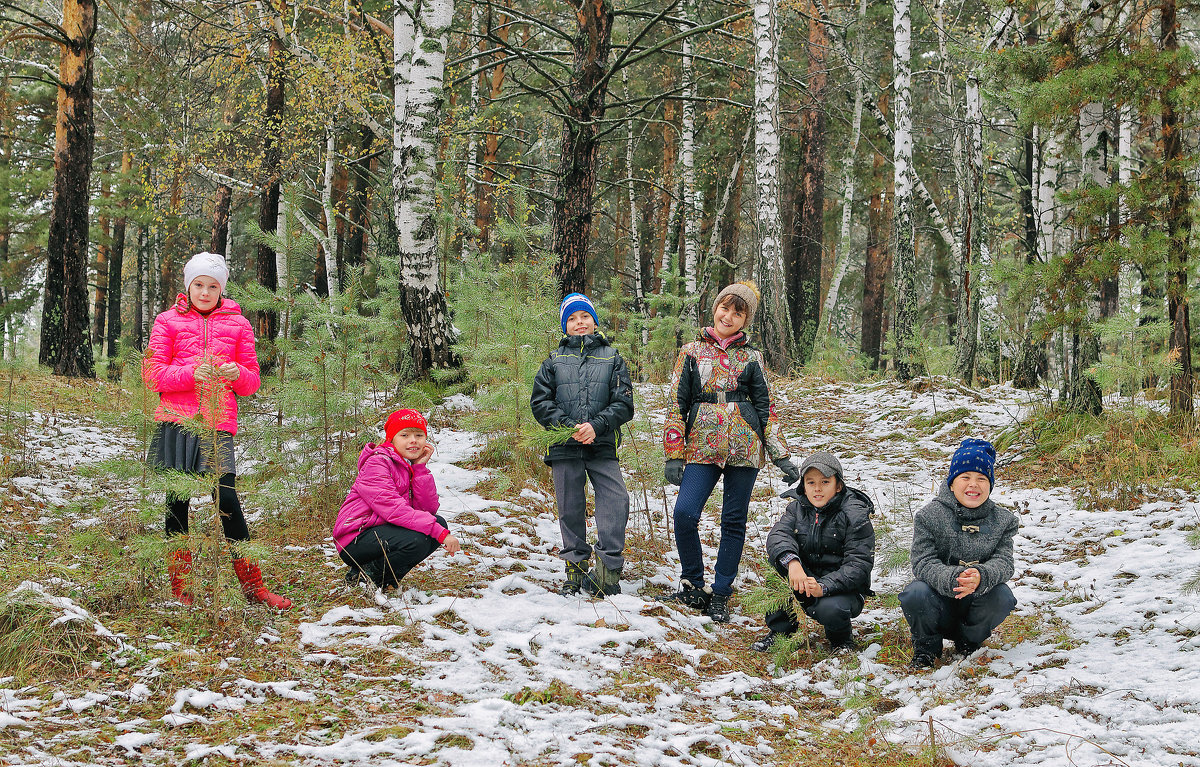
(584, 380)
(835, 544)
(948, 538)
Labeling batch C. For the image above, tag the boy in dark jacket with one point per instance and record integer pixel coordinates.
(824, 545)
(585, 384)
(962, 554)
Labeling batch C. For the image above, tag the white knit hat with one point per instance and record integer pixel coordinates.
(206, 264)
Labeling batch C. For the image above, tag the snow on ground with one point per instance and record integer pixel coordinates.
(1095, 667)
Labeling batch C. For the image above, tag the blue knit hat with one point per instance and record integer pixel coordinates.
(576, 302)
(974, 455)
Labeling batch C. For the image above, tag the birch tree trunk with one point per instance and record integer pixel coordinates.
(420, 38)
(570, 227)
(64, 335)
(99, 312)
(691, 204)
(635, 224)
(773, 311)
(908, 365)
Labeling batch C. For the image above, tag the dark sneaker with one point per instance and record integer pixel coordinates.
(765, 642)
(842, 646)
(574, 581)
(922, 660)
(965, 648)
(690, 596)
(718, 608)
(355, 578)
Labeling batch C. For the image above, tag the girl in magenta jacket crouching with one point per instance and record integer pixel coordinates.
(200, 359)
(388, 523)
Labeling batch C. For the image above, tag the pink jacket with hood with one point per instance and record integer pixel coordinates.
(181, 338)
(388, 490)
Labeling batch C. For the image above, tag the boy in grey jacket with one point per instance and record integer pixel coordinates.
(585, 384)
(824, 545)
(962, 554)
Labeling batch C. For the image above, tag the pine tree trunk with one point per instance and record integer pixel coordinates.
(805, 263)
(905, 330)
(1179, 223)
(570, 226)
(358, 213)
(774, 322)
(1031, 356)
(99, 311)
(420, 57)
(64, 339)
(878, 267)
(139, 290)
(266, 321)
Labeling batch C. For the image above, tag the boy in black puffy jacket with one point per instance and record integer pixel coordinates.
(824, 545)
(585, 384)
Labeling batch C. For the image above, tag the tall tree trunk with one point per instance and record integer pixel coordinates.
(805, 262)
(721, 253)
(358, 213)
(665, 209)
(266, 266)
(570, 226)
(116, 261)
(635, 226)
(1031, 356)
(1179, 221)
(878, 268)
(905, 330)
(99, 313)
(420, 58)
(485, 190)
(64, 337)
(691, 204)
(139, 289)
(773, 312)
(967, 321)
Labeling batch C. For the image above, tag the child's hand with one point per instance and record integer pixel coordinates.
(230, 371)
(796, 575)
(584, 433)
(451, 545)
(204, 372)
(812, 588)
(426, 454)
(968, 581)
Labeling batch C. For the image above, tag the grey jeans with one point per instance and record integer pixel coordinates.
(612, 509)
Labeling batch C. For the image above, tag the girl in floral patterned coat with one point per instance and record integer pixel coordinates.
(724, 427)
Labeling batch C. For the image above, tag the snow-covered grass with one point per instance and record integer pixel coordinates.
(478, 661)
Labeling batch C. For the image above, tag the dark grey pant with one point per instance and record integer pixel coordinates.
(385, 553)
(612, 509)
(933, 617)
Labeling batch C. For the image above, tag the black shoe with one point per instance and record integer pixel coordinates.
(922, 660)
(847, 645)
(765, 642)
(690, 596)
(718, 608)
(355, 578)
(574, 582)
(964, 648)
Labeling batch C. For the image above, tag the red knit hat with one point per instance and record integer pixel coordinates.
(404, 419)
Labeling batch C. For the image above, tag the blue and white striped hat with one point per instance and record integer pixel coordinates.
(974, 455)
(576, 302)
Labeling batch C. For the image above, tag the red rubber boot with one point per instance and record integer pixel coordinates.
(250, 577)
(179, 568)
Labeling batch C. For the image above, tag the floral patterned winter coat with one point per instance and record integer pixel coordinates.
(181, 339)
(725, 415)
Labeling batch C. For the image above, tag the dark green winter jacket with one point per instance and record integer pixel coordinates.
(584, 380)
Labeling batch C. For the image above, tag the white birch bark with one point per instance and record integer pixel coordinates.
(905, 328)
(714, 235)
(470, 170)
(773, 312)
(687, 159)
(281, 252)
(1126, 163)
(328, 237)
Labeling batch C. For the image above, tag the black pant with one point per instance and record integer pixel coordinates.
(386, 553)
(932, 616)
(832, 612)
(233, 521)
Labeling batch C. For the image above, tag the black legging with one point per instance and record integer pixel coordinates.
(232, 519)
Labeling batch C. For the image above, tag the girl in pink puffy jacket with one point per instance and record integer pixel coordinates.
(200, 359)
(389, 523)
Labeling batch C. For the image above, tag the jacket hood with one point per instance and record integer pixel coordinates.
(228, 305)
(946, 498)
(372, 448)
(835, 504)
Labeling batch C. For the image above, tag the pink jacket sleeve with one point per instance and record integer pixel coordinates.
(425, 495)
(379, 489)
(249, 378)
(159, 371)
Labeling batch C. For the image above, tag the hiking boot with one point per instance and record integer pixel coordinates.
(574, 582)
(690, 596)
(922, 659)
(602, 582)
(844, 646)
(718, 608)
(964, 648)
(765, 642)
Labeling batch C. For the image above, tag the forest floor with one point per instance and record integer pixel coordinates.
(478, 661)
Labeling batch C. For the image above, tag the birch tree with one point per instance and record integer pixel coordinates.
(691, 204)
(419, 50)
(908, 366)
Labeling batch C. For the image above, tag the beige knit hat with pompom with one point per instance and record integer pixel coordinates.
(745, 290)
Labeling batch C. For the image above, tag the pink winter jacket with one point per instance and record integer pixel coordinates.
(181, 338)
(388, 490)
